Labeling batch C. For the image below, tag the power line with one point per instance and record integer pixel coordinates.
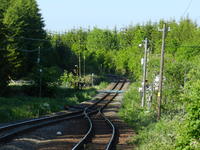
(184, 46)
(32, 39)
(35, 50)
(187, 8)
(28, 51)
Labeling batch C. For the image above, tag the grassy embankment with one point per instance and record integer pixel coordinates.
(150, 134)
(20, 106)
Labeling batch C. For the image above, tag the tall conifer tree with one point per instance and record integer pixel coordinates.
(4, 65)
(25, 25)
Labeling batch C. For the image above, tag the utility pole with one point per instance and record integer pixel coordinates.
(79, 60)
(144, 72)
(84, 63)
(163, 30)
(40, 70)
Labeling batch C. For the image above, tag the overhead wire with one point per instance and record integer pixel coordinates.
(32, 39)
(187, 8)
(28, 51)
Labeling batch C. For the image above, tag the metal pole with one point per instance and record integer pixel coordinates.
(144, 72)
(92, 79)
(40, 70)
(84, 64)
(79, 60)
(164, 30)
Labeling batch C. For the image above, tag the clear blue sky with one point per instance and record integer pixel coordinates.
(60, 15)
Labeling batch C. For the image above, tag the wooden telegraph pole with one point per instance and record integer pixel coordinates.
(144, 72)
(159, 98)
(84, 64)
(40, 71)
(79, 62)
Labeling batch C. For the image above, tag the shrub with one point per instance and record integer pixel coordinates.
(68, 79)
(189, 134)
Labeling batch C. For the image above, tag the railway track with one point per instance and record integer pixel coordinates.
(100, 125)
(8, 132)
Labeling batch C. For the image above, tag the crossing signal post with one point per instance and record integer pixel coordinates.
(144, 72)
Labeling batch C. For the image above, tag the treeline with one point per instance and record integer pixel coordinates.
(26, 50)
(20, 21)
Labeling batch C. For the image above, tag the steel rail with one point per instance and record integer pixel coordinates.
(102, 97)
(49, 120)
(114, 130)
(9, 135)
(80, 144)
(83, 141)
(112, 139)
(11, 126)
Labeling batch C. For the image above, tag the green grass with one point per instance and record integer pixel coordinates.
(20, 106)
(102, 85)
(150, 133)
(159, 135)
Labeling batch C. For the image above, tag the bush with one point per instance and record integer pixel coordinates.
(159, 135)
(68, 79)
(24, 107)
(150, 133)
(132, 112)
(189, 134)
(48, 79)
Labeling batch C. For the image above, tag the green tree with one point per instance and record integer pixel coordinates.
(4, 65)
(189, 133)
(4, 6)
(25, 24)
(99, 43)
(60, 54)
(99, 39)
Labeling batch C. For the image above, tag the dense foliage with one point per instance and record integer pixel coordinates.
(29, 52)
(23, 21)
(179, 126)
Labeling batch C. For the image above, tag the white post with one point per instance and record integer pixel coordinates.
(144, 72)
(92, 79)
